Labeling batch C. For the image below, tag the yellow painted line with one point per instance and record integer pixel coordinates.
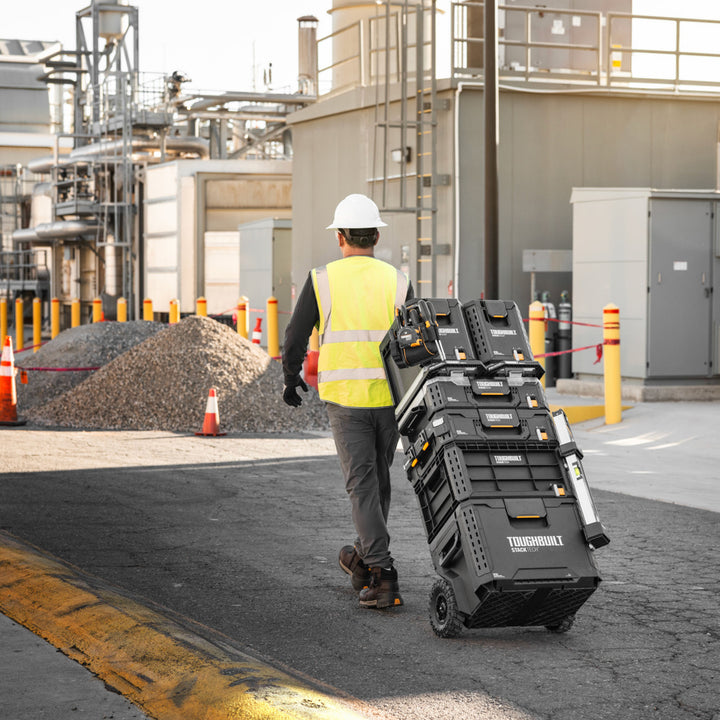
(167, 670)
(581, 413)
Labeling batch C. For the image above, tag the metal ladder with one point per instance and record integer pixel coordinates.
(418, 119)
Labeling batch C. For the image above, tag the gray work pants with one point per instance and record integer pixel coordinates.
(366, 439)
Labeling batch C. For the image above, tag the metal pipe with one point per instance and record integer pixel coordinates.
(490, 102)
(103, 150)
(24, 235)
(65, 229)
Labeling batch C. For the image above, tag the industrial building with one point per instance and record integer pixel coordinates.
(140, 189)
(111, 177)
(578, 108)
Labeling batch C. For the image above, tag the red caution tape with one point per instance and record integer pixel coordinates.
(56, 369)
(598, 350)
(558, 320)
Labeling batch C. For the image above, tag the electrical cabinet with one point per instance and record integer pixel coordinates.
(655, 255)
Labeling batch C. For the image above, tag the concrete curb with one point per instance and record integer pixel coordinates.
(161, 666)
(632, 392)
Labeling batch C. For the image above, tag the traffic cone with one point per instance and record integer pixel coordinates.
(211, 424)
(257, 332)
(8, 393)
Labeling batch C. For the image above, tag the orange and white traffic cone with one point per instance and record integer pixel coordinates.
(257, 332)
(211, 424)
(8, 393)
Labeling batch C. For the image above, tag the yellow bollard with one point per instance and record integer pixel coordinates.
(536, 333)
(97, 315)
(54, 318)
(611, 351)
(201, 307)
(174, 312)
(3, 321)
(147, 309)
(75, 313)
(19, 326)
(315, 340)
(37, 323)
(121, 309)
(271, 312)
(242, 317)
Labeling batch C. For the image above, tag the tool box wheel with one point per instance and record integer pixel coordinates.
(445, 619)
(563, 626)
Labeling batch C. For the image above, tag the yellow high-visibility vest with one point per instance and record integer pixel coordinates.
(356, 298)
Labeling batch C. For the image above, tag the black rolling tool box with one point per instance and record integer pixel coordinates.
(463, 388)
(497, 330)
(508, 515)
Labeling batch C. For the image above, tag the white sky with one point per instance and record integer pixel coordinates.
(215, 42)
(227, 45)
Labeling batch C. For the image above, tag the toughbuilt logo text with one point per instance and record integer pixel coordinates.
(532, 543)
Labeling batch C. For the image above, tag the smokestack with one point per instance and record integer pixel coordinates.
(307, 55)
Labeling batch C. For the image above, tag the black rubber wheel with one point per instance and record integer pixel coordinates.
(563, 626)
(445, 619)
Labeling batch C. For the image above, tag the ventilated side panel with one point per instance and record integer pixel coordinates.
(457, 474)
(473, 540)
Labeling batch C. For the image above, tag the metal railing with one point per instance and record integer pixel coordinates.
(606, 50)
(19, 268)
(683, 76)
(370, 53)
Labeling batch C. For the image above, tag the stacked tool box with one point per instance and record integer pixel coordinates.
(508, 515)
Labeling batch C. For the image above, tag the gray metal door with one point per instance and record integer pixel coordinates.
(680, 285)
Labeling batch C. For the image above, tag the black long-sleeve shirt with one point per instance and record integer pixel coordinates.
(304, 318)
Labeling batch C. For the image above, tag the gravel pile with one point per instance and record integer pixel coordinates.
(91, 345)
(163, 384)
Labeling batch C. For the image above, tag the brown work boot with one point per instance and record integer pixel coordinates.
(383, 590)
(353, 565)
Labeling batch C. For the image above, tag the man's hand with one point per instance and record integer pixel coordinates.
(290, 394)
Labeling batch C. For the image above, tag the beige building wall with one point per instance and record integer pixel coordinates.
(550, 142)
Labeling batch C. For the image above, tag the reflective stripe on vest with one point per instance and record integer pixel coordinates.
(356, 298)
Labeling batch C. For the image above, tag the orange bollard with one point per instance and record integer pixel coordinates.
(37, 324)
(201, 307)
(536, 333)
(97, 311)
(19, 324)
(174, 312)
(611, 363)
(242, 317)
(54, 318)
(273, 341)
(3, 320)
(75, 313)
(148, 310)
(121, 309)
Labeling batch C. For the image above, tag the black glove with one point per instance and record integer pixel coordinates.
(290, 393)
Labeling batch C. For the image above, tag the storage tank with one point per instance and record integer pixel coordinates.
(360, 36)
(111, 23)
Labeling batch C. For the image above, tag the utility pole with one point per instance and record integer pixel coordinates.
(490, 102)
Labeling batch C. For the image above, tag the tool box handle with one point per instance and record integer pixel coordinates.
(449, 556)
(535, 368)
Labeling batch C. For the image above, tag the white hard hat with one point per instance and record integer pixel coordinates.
(356, 211)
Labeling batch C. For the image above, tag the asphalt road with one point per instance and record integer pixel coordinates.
(242, 535)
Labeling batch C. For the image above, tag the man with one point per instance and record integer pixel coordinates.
(352, 302)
